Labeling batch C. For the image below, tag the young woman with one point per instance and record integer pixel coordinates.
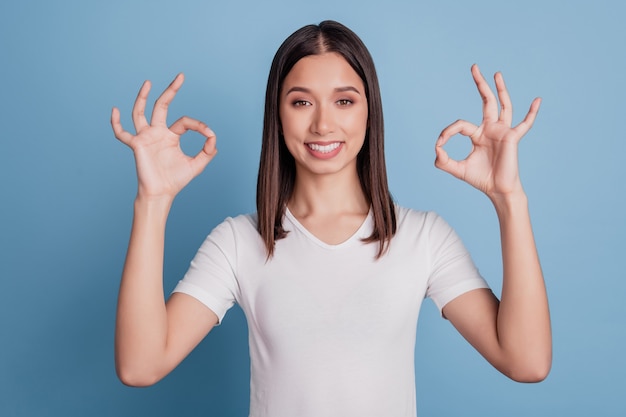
(330, 272)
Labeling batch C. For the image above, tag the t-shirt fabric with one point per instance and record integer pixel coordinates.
(331, 328)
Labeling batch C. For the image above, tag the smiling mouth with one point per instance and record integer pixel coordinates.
(323, 148)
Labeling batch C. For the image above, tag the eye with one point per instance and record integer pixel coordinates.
(344, 102)
(301, 103)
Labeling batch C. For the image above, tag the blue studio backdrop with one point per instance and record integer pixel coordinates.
(67, 186)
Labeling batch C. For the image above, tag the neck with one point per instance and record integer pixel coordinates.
(327, 195)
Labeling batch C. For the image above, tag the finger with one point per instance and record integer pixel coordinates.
(506, 107)
(159, 113)
(449, 165)
(185, 124)
(139, 108)
(122, 135)
(462, 127)
(524, 126)
(201, 160)
(490, 105)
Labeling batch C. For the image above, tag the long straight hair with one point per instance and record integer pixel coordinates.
(277, 168)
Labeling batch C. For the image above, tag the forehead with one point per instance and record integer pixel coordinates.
(328, 70)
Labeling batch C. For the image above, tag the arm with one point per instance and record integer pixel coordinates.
(151, 338)
(512, 334)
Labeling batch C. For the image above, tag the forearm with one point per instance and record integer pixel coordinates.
(523, 321)
(141, 327)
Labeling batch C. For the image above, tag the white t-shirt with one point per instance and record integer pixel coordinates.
(331, 328)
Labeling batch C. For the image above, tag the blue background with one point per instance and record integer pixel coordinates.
(67, 185)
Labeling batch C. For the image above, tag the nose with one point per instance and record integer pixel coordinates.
(323, 122)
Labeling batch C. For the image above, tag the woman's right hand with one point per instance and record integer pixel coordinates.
(163, 169)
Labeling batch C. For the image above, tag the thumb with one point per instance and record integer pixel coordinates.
(206, 154)
(447, 164)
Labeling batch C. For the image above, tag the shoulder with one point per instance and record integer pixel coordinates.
(243, 223)
(233, 229)
(416, 224)
(233, 239)
(410, 218)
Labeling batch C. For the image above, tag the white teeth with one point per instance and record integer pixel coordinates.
(323, 148)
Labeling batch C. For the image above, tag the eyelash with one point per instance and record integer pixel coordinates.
(341, 102)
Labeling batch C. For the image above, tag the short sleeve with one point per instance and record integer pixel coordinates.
(453, 272)
(211, 277)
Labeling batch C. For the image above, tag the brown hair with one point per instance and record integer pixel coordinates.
(277, 170)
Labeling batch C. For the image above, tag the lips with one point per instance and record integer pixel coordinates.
(327, 148)
(324, 150)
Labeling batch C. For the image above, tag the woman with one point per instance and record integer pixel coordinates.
(329, 272)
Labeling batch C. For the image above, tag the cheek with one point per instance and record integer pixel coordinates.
(289, 131)
(359, 122)
(284, 119)
(292, 125)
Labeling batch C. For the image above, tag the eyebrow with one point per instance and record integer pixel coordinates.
(337, 90)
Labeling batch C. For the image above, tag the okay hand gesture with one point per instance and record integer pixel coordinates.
(492, 165)
(163, 169)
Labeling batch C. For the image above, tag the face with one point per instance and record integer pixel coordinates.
(323, 112)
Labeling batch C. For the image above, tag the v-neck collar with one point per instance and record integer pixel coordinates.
(362, 232)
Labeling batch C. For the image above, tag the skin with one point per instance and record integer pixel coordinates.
(514, 335)
(323, 102)
(151, 337)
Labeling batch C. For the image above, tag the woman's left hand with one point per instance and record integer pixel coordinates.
(491, 166)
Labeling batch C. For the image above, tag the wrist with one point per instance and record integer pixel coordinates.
(510, 203)
(153, 206)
